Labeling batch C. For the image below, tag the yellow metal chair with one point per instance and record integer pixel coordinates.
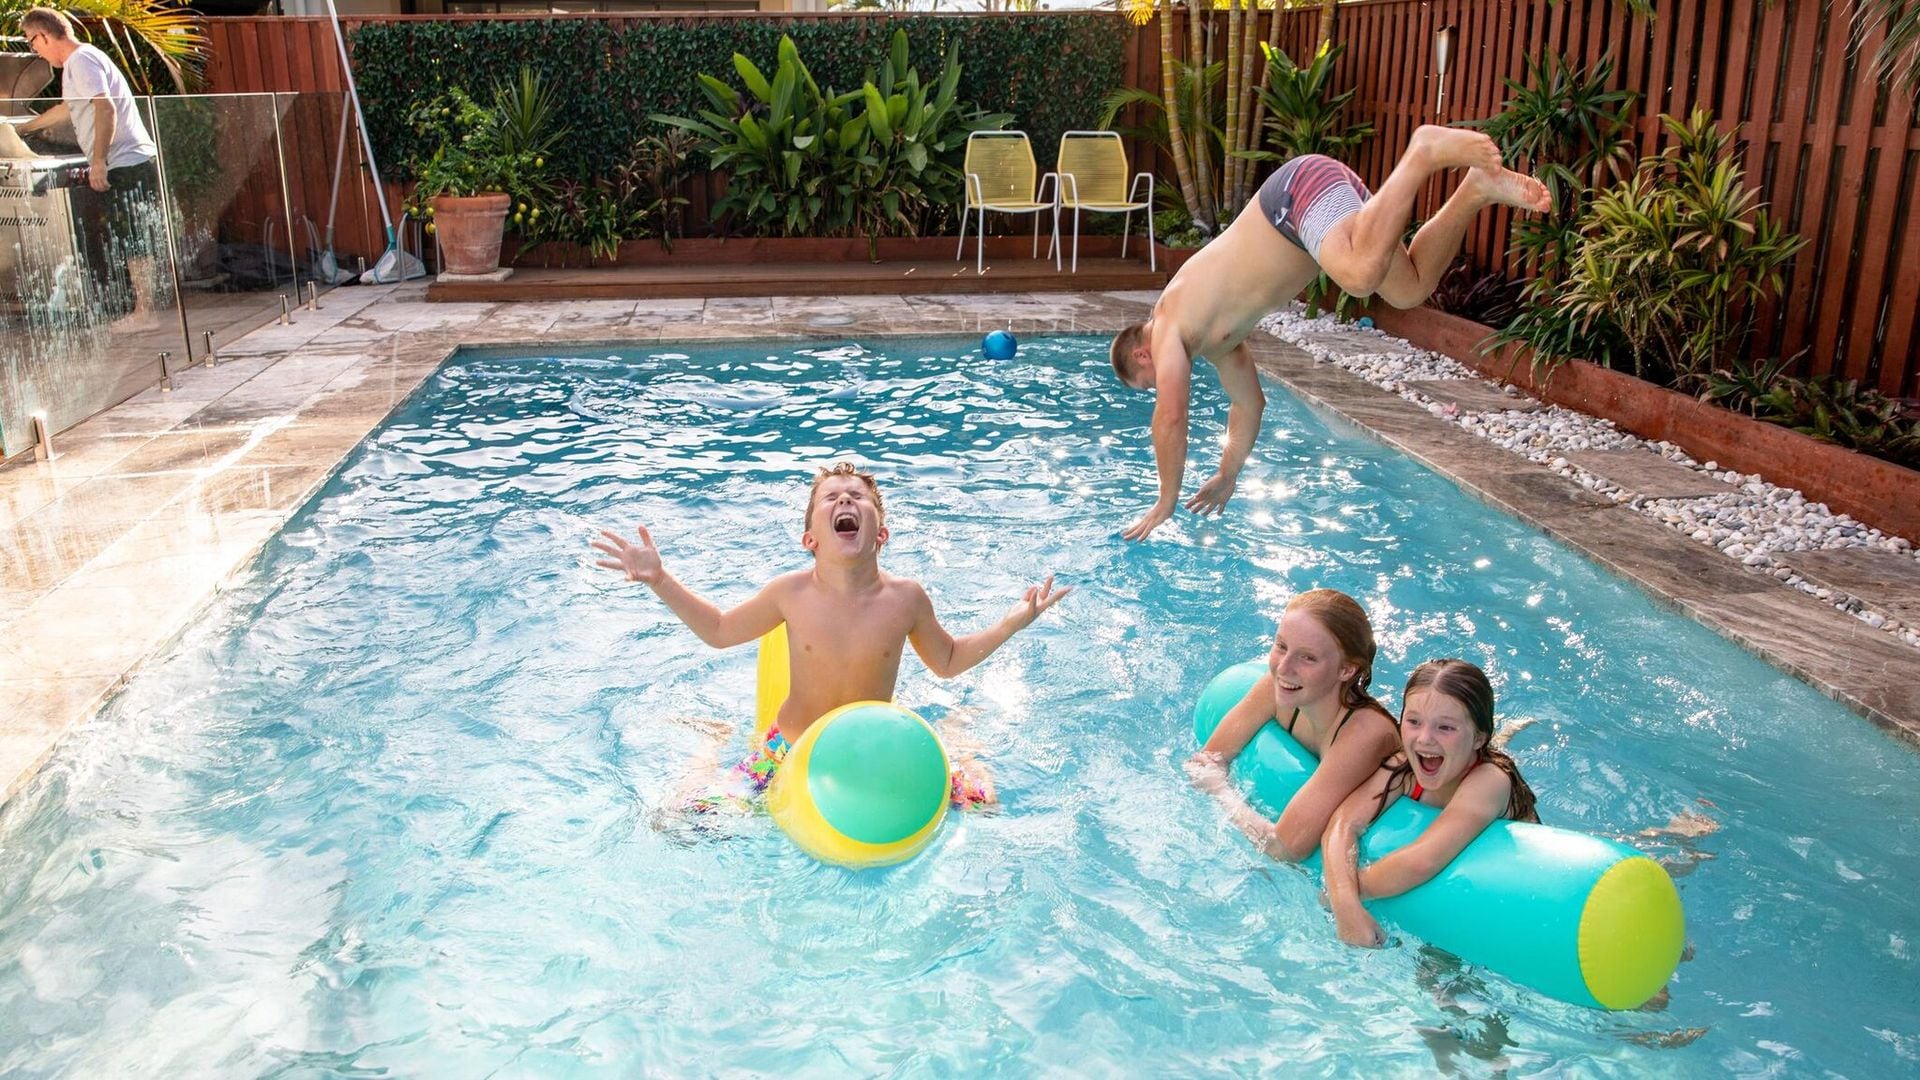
(1000, 174)
(1093, 177)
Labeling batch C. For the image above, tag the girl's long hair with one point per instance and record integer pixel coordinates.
(1468, 685)
(1347, 621)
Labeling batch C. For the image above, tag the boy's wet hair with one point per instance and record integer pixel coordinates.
(844, 468)
(1121, 351)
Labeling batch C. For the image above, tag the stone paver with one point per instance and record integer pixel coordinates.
(1646, 473)
(1473, 395)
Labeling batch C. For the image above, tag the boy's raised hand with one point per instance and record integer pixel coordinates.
(1038, 599)
(640, 562)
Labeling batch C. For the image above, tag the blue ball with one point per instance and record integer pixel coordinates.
(999, 345)
(1366, 322)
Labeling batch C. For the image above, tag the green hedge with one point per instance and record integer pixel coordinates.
(1049, 71)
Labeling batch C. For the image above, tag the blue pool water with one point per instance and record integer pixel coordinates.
(389, 807)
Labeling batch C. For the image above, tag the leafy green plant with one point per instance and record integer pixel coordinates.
(140, 35)
(1676, 254)
(610, 78)
(1304, 115)
(806, 161)
(479, 149)
(1571, 128)
(1826, 407)
(592, 217)
(655, 172)
(1488, 298)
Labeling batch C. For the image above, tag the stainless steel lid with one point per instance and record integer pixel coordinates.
(22, 76)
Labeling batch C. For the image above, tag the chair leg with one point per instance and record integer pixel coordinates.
(1036, 235)
(1076, 239)
(980, 244)
(961, 251)
(1153, 256)
(1057, 245)
(1126, 226)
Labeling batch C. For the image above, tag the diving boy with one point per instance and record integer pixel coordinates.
(847, 620)
(1313, 215)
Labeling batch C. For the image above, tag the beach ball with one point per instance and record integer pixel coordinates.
(999, 345)
(1366, 322)
(866, 785)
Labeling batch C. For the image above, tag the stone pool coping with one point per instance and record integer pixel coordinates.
(152, 508)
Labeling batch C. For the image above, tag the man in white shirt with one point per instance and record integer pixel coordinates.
(123, 218)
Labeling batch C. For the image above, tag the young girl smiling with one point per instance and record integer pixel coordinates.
(1447, 762)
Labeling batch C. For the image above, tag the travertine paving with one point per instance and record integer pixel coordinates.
(147, 510)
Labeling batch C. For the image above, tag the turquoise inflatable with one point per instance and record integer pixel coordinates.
(1576, 917)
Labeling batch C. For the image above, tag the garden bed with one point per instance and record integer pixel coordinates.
(741, 250)
(1877, 492)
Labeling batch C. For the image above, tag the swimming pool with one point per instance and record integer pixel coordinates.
(388, 805)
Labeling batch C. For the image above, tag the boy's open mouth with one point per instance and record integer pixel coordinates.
(846, 523)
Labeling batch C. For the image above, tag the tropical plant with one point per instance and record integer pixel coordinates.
(137, 33)
(1214, 120)
(1676, 255)
(655, 171)
(592, 217)
(477, 148)
(1569, 129)
(1825, 407)
(1568, 126)
(807, 161)
(1898, 56)
(1303, 114)
(1491, 298)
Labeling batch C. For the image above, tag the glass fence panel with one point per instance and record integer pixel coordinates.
(233, 237)
(336, 227)
(88, 301)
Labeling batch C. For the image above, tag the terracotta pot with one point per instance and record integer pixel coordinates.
(470, 228)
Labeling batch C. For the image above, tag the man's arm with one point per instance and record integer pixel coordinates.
(1172, 382)
(52, 117)
(722, 630)
(947, 656)
(103, 124)
(1246, 403)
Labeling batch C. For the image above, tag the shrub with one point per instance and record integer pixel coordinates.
(1675, 255)
(1303, 114)
(802, 160)
(611, 78)
(475, 148)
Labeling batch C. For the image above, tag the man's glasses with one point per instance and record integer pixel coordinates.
(34, 39)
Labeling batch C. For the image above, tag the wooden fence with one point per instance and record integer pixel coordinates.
(1835, 156)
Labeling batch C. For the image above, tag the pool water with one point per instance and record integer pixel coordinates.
(394, 805)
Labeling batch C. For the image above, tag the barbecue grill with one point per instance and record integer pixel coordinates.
(38, 228)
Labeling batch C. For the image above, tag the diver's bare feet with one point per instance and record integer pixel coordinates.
(1508, 188)
(1511, 728)
(1453, 148)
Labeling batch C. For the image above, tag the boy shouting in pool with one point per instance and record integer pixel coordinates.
(1313, 215)
(848, 621)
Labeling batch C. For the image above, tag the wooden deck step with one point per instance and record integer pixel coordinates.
(677, 280)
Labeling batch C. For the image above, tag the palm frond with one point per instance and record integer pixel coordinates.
(167, 30)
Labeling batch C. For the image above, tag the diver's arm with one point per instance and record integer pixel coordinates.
(1246, 404)
(1172, 381)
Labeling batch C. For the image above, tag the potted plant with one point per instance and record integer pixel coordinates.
(488, 161)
